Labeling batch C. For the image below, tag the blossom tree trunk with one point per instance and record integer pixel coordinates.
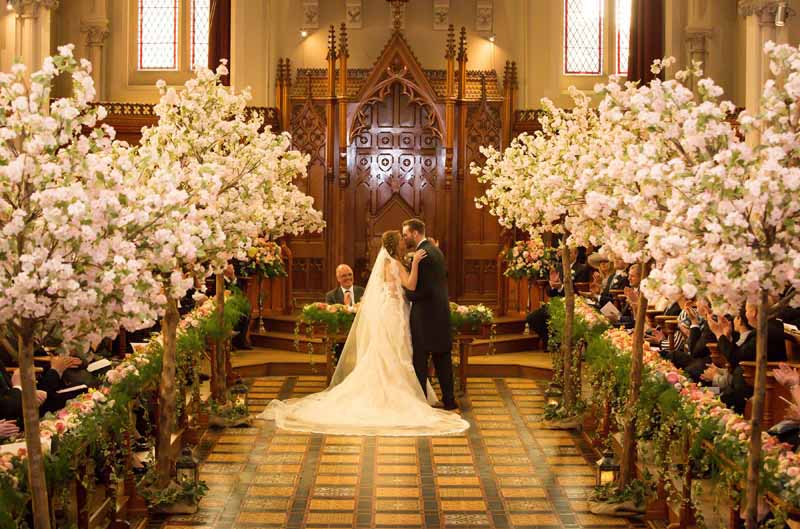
(218, 375)
(627, 470)
(166, 396)
(33, 443)
(759, 391)
(570, 391)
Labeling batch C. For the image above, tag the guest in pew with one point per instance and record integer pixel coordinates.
(538, 319)
(8, 429)
(737, 349)
(700, 335)
(11, 396)
(581, 271)
(627, 316)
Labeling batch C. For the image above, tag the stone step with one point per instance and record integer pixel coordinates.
(506, 343)
(287, 341)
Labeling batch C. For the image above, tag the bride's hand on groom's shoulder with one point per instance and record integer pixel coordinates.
(419, 255)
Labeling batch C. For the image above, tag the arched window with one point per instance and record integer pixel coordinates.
(595, 44)
(583, 37)
(172, 31)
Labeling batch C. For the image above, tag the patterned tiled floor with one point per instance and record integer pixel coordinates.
(502, 473)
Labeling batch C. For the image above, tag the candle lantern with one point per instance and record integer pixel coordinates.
(186, 468)
(607, 469)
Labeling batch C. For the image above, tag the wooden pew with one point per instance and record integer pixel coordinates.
(774, 407)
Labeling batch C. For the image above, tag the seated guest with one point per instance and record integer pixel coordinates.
(737, 349)
(8, 429)
(627, 315)
(11, 396)
(538, 319)
(738, 328)
(581, 271)
(695, 356)
(346, 293)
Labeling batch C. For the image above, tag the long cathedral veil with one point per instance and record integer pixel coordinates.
(366, 321)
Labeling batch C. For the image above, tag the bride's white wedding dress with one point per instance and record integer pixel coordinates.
(374, 390)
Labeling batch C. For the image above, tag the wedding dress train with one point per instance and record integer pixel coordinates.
(374, 390)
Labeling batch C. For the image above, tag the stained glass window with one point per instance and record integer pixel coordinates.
(201, 11)
(623, 22)
(158, 34)
(583, 37)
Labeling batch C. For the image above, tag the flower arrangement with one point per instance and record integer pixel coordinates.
(674, 404)
(91, 418)
(529, 259)
(335, 317)
(470, 317)
(264, 257)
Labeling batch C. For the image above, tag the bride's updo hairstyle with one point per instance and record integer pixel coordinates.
(392, 240)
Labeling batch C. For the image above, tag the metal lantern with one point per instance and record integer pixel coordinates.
(186, 468)
(553, 395)
(607, 469)
(239, 396)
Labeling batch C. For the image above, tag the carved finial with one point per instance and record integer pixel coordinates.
(343, 52)
(514, 74)
(287, 75)
(507, 74)
(462, 45)
(450, 51)
(483, 87)
(397, 13)
(332, 42)
(279, 76)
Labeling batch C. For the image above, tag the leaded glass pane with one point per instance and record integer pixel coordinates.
(583, 37)
(623, 23)
(201, 15)
(158, 34)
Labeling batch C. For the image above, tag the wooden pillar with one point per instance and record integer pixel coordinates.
(334, 212)
(457, 193)
(279, 92)
(508, 110)
(286, 107)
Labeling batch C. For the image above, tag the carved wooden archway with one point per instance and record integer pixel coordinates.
(398, 141)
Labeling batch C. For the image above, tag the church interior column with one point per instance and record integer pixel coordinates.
(760, 27)
(97, 32)
(698, 32)
(33, 30)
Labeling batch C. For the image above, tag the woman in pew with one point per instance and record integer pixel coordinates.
(740, 347)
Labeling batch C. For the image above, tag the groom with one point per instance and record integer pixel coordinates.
(430, 313)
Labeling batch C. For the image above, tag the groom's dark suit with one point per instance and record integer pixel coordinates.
(430, 322)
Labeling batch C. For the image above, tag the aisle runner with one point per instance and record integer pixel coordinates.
(503, 473)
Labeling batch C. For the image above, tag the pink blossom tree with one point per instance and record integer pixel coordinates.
(69, 266)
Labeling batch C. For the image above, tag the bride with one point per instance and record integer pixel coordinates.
(374, 390)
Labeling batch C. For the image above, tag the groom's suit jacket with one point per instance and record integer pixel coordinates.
(430, 305)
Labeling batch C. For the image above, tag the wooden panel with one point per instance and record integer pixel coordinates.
(394, 174)
(480, 230)
(526, 121)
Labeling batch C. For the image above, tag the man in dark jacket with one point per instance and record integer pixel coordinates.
(430, 314)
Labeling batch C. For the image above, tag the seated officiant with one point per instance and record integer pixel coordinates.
(346, 293)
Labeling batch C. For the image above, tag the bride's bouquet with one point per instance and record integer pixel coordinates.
(264, 256)
(529, 259)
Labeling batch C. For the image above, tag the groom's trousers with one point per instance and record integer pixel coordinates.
(443, 362)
